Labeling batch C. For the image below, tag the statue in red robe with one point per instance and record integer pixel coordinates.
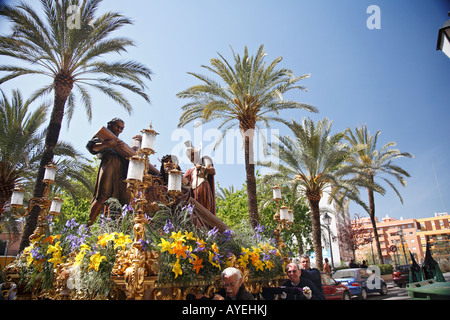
(201, 178)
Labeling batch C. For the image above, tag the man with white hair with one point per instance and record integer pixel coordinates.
(233, 287)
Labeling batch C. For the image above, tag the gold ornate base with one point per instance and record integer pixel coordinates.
(152, 290)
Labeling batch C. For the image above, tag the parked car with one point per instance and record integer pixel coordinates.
(334, 290)
(401, 275)
(360, 282)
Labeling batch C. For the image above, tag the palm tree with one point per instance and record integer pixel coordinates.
(376, 163)
(314, 160)
(71, 55)
(251, 93)
(18, 136)
(22, 146)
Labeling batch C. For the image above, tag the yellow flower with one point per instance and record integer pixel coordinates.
(96, 260)
(79, 257)
(189, 236)
(215, 264)
(37, 239)
(177, 268)
(243, 260)
(56, 258)
(122, 240)
(259, 265)
(29, 260)
(165, 246)
(103, 239)
(177, 236)
(85, 247)
(230, 261)
(215, 248)
(269, 265)
(55, 249)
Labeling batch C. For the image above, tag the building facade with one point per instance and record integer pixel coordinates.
(398, 237)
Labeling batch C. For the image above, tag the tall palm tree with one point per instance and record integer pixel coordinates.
(314, 159)
(376, 163)
(250, 93)
(72, 55)
(18, 134)
(22, 146)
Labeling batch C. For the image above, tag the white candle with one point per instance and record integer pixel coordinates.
(56, 205)
(276, 193)
(174, 183)
(17, 197)
(291, 215)
(50, 173)
(136, 168)
(148, 138)
(284, 214)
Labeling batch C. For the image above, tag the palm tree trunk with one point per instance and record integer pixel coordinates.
(251, 179)
(316, 232)
(62, 91)
(374, 223)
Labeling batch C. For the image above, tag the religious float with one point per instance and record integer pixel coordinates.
(163, 245)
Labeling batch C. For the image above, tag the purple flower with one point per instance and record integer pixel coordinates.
(35, 254)
(168, 226)
(213, 232)
(227, 234)
(144, 243)
(189, 208)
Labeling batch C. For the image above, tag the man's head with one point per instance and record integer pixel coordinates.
(231, 281)
(116, 126)
(293, 272)
(305, 263)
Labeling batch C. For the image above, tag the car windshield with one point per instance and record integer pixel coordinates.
(403, 268)
(327, 280)
(344, 274)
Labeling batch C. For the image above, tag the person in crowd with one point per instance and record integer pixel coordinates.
(233, 287)
(312, 274)
(326, 267)
(352, 264)
(310, 291)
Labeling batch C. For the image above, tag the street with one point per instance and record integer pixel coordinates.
(395, 292)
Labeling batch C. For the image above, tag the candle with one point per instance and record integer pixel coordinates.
(284, 213)
(56, 205)
(136, 142)
(174, 183)
(276, 193)
(291, 215)
(148, 138)
(17, 197)
(50, 173)
(136, 168)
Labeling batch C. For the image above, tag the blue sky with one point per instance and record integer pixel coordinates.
(391, 79)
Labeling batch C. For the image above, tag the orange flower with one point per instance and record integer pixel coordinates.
(197, 265)
(180, 250)
(51, 239)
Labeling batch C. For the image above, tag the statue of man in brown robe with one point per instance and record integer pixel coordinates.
(112, 172)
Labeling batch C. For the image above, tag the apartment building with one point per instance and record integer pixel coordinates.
(398, 237)
(437, 231)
